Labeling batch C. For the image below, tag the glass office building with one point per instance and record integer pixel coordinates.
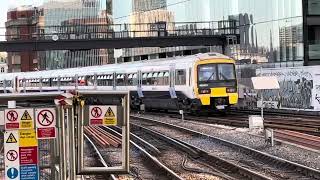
(312, 33)
(271, 30)
(80, 14)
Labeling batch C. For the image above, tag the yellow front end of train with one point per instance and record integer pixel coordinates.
(216, 84)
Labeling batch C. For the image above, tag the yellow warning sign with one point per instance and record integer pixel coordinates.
(28, 138)
(11, 139)
(26, 121)
(110, 118)
(26, 116)
(109, 113)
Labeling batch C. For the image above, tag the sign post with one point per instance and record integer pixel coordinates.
(265, 83)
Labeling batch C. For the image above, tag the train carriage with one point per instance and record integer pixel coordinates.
(197, 82)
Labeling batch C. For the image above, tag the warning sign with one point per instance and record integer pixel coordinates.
(28, 155)
(46, 123)
(12, 155)
(11, 149)
(11, 139)
(26, 116)
(46, 133)
(96, 112)
(19, 119)
(46, 117)
(26, 120)
(28, 138)
(110, 118)
(102, 115)
(12, 116)
(109, 113)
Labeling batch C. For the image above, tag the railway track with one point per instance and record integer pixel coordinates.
(304, 140)
(143, 165)
(275, 121)
(93, 153)
(259, 162)
(191, 162)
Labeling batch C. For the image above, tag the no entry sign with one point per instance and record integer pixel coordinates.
(46, 123)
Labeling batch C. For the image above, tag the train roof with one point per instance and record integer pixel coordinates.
(146, 65)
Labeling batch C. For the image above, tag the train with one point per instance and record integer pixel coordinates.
(191, 83)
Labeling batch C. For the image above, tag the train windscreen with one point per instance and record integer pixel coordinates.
(216, 75)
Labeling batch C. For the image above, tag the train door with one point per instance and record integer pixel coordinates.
(114, 82)
(139, 84)
(172, 77)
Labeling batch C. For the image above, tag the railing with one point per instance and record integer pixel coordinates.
(103, 31)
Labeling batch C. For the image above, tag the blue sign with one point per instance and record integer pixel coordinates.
(12, 173)
(29, 172)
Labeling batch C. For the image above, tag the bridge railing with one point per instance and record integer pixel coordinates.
(109, 31)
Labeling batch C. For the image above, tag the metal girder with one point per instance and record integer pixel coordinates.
(112, 43)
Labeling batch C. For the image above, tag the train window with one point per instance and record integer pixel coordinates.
(155, 75)
(144, 75)
(163, 78)
(226, 72)
(180, 77)
(121, 79)
(132, 80)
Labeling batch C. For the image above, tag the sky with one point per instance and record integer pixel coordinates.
(6, 4)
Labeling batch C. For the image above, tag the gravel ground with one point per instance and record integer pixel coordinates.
(174, 159)
(248, 138)
(231, 155)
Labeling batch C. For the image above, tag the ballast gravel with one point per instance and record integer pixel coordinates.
(250, 139)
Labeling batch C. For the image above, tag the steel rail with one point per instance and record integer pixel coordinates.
(112, 176)
(207, 157)
(306, 171)
(145, 153)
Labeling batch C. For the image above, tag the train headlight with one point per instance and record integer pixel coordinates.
(204, 91)
(231, 90)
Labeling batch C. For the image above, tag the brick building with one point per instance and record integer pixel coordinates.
(21, 25)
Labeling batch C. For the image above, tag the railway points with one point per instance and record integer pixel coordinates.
(163, 126)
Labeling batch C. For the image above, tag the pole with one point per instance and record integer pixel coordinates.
(71, 143)
(62, 152)
(262, 104)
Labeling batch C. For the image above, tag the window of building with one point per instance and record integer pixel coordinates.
(2, 70)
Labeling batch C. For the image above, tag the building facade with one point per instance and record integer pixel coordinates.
(3, 63)
(81, 19)
(20, 25)
(273, 31)
(147, 5)
(311, 25)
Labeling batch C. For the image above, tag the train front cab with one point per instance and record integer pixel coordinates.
(216, 83)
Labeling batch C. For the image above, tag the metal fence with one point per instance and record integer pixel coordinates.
(107, 31)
